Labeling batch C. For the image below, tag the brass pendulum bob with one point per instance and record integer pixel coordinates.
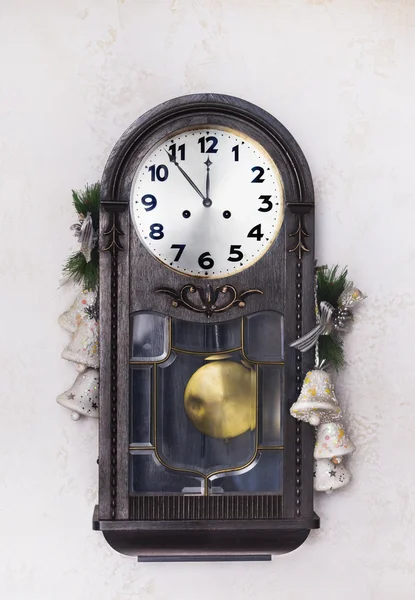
(220, 398)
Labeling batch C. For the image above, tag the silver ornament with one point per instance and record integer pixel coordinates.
(332, 442)
(82, 397)
(328, 476)
(71, 318)
(317, 402)
(84, 346)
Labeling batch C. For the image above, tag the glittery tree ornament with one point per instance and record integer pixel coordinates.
(335, 300)
(82, 397)
(71, 318)
(328, 476)
(317, 402)
(83, 347)
(83, 266)
(332, 442)
(347, 300)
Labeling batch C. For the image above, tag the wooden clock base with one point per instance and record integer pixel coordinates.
(205, 540)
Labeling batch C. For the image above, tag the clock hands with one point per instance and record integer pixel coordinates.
(206, 200)
(185, 175)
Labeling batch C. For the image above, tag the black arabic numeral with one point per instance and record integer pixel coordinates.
(235, 150)
(181, 150)
(160, 172)
(256, 233)
(213, 143)
(238, 255)
(156, 231)
(180, 248)
(205, 261)
(149, 201)
(268, 204)
(257, 178)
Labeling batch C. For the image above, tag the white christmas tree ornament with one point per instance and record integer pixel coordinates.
(82, 397)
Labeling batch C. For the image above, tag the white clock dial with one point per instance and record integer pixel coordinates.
(207, 202)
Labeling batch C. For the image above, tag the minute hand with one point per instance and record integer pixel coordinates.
(185, 175)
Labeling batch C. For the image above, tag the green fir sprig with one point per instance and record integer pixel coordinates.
(331, 349)
(331, 282)
(87, 201)
(81, 272)
(76, 268)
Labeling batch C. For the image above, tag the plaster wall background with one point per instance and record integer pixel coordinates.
(339, 74)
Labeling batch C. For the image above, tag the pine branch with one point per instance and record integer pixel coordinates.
(84, 273)
(87, 201)
(331, 349)
(330, 284)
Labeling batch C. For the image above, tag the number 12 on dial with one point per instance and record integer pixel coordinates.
(207, 202)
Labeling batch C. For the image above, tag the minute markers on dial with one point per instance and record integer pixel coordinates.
(251, 220)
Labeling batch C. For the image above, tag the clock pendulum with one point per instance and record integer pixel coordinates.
(220, 397)
(202, 288)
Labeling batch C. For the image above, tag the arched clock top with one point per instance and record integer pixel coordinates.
(205, 281)
(200, 109)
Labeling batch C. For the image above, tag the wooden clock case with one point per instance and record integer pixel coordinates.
(177, 527)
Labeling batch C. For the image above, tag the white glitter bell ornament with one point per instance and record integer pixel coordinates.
(82, 397)
(83, 347)
(71, 318)
(329, 477)
(317, 402)
(332, 442)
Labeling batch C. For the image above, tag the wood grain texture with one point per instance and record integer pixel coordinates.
(105, 374)
(286, 278)
(123, 371)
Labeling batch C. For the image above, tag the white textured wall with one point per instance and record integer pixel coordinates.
(340, 76)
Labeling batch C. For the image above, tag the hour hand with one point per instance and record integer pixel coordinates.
(185, 175)
(207, 201)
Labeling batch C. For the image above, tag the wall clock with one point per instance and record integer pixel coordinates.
(206, 276)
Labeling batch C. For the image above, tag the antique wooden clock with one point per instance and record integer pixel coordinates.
(206, 277)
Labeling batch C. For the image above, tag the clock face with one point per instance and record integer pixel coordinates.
(207, 202)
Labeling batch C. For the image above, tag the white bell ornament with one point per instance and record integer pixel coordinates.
(83, 347)
(328, 476)
(82, 397)
(317, 402)
(71, 318)
(332, 442)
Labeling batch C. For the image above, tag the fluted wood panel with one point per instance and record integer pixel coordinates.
(169, 508)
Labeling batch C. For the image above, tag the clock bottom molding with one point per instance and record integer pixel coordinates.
(205, 539)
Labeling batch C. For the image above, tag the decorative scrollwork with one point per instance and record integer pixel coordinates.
(115, 233)
(300, 247)
(208, 300)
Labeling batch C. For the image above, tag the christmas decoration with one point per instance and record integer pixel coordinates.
(83, 347)
(71, 318)
(332, 442)
(316, 403)
(81, 319)
(335, 297)
(329, 476)
(82, 397)
(82, 266)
